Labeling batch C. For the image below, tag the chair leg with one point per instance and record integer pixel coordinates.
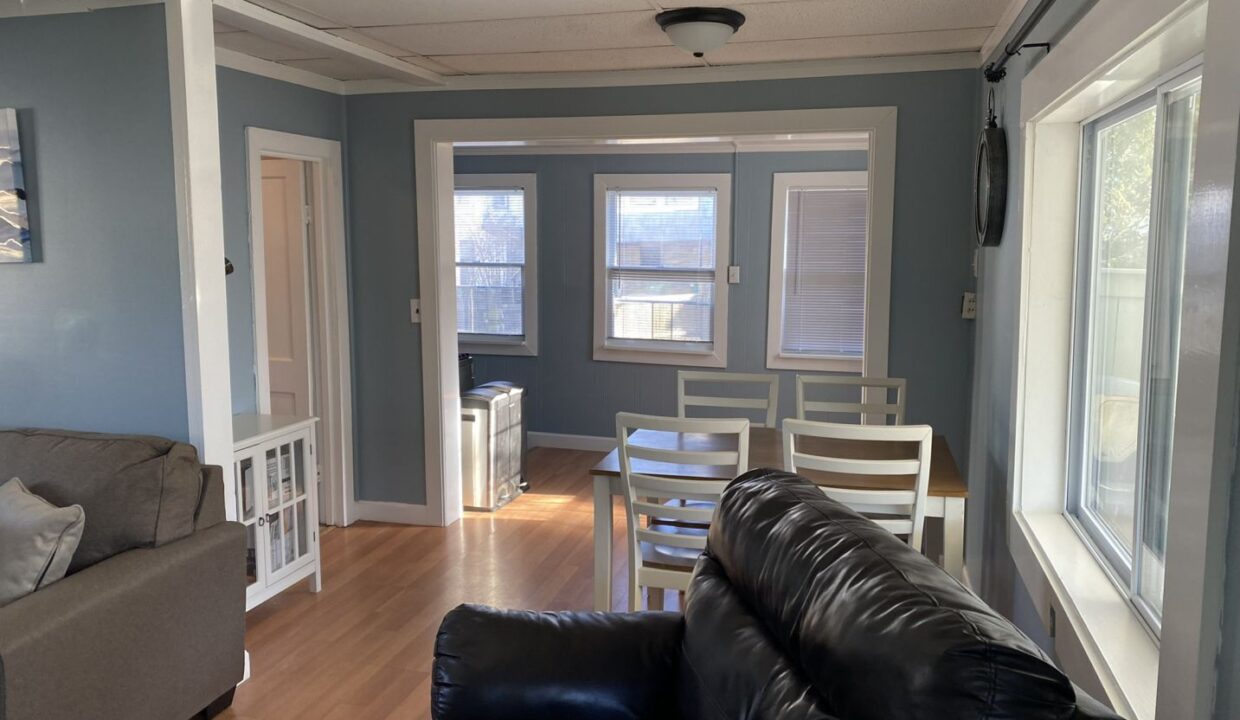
(654, 598)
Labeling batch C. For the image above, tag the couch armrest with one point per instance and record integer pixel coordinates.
(507, 664)
(211, 503)
(148, 633)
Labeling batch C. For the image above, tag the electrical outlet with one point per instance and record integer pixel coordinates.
(415, 311)
(968, 306)
(734, 274)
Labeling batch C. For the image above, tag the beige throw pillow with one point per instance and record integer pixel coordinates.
(37, 540)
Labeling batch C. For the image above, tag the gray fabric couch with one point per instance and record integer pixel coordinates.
(150, 621)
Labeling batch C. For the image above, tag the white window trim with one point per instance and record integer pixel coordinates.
(1118, 48)
(878, 279)
(527, 344)
(657, 352)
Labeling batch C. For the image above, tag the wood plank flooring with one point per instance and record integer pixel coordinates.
(362, 648)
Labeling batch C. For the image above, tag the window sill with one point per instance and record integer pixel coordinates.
(497, 347)
(1116, 642)
(814, 364)
(651, 355)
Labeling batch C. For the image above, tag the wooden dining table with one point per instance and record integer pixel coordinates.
(946, 500)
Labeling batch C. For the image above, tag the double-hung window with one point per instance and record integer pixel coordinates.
(820, 225)
(1136, 174)
(661, 256)
(496, 264)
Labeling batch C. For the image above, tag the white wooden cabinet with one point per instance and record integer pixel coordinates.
(276, 479)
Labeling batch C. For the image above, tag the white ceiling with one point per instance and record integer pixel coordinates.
(485, 37)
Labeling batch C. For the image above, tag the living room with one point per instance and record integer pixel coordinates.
(354, 238)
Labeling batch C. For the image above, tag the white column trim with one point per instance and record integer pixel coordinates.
(200, 230)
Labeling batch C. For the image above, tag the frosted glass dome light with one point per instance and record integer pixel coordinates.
(700, 30)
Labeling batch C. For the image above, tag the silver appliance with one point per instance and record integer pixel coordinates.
(491, 446)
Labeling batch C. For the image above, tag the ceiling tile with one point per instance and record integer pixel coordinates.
(941, 41)
(337, 68)
(572, 61)
(815, 18)
(261, 47)
(292, 10)
(574, 32)
(433, 65)
(359, 13)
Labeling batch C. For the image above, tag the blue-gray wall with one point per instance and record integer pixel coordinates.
(91, 336)
(989, 558)
(247, 100)
(571, 393)
(937, 122)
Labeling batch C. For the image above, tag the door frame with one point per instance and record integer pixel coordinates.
(433, 142)
(332, 359)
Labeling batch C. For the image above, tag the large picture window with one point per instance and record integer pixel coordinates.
(496, 264)
(1136, 175)
(819, 251)
(660, 288)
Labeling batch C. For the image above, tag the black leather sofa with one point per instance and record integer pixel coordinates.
(799, 610)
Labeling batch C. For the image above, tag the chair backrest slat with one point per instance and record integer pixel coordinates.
(902, 511)
(768, 405)
(684, 457)
(854, 466)
(863, 407)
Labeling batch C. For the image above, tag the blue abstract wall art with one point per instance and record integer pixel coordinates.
(14, 223)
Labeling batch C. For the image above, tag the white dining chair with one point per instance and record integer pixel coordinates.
(861, 408)
(668, 516)
(766, 405)
(901, 511)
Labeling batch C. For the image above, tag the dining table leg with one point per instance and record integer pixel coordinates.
(602, 543)
(953, 537)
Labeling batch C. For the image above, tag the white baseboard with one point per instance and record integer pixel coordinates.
(245, 674)
(391, 512)
(565, 441)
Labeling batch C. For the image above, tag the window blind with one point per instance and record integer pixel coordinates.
(490, 261)
(824, 273)
(661, 247)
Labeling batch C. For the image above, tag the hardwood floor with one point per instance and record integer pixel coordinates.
(363, 647)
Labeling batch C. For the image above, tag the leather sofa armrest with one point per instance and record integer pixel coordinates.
(1087, 708)
(507, 664)
(211, 503)
(149, 633)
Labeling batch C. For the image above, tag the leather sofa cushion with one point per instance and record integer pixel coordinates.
(732, 669)
(136, 491)
(878, 630)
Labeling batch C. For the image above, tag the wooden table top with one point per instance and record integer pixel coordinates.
(766, 451)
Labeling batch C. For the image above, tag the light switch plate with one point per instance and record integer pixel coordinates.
(968, 306)
(734, 274)
(415, 311)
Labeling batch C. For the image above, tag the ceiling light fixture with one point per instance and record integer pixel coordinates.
(698, 29)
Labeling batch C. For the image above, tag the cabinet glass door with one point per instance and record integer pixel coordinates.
(247, 512)
(288, 518)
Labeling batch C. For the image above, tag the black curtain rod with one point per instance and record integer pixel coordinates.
(997, 70)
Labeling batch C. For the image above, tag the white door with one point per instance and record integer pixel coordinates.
(284, 239)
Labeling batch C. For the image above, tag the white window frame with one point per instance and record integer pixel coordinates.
(1122, 565)
(664, 352)
(1115, 50)
(877, 281)
(526, 344)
